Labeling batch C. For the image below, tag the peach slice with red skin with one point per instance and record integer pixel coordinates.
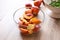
(35, 10)
(28, 16)
(37, 3)
(24, 20)
(28, 5)
(28, 24)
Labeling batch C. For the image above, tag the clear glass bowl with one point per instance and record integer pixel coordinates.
(19, 13)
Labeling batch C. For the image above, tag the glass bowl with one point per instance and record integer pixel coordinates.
(19, 13)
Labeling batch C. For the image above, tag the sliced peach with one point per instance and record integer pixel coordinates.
(28, 5)
(35, 20)
(24, 20)
(37, 3)
(28, 11)
(35, 10)
(28, 16)
(22, 25)
(24, 31)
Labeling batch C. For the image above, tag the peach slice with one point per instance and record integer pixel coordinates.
(28, 16)
(22, 25)
(35, 10)
(24, 20)
(28, 11)
(24, 31)
(37, 3)
(35, 20)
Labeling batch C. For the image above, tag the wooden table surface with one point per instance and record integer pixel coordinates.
(50, 29)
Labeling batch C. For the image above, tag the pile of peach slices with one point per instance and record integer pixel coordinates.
(29, 23)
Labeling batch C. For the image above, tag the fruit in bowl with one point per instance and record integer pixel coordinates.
(29, 27)
(29, 23)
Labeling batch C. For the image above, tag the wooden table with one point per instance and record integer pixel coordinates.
(50, 29)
